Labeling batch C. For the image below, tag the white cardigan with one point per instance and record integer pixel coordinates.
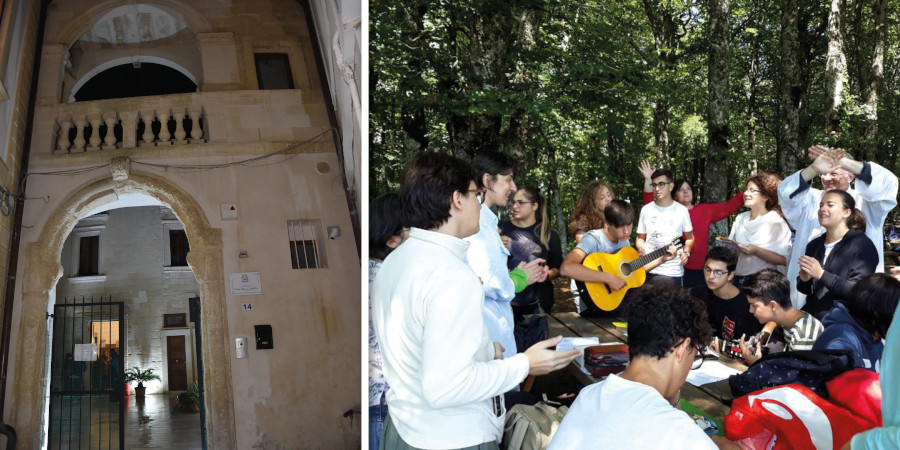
(427, 312)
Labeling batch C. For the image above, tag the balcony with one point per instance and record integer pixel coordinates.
(178, 120)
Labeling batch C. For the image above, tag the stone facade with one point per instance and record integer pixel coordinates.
(255, 161)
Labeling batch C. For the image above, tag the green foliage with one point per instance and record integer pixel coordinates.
(136, 374)
(570, 88)
(190, 400)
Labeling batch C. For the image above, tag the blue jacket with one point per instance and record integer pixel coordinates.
(888, 435)
(842, 332)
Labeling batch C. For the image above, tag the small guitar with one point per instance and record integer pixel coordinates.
(626, 264)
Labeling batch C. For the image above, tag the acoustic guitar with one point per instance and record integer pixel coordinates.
(626, 264)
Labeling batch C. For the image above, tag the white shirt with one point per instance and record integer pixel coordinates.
(621, 414)
(438, 360)
(487, 257)
(768, 231)
(662, 225)
(800, 205)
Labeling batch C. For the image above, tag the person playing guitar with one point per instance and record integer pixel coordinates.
(610, 239)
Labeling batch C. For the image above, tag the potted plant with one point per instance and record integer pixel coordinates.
(190, 400)
(136, 374)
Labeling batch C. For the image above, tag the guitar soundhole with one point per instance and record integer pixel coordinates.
(625, 269)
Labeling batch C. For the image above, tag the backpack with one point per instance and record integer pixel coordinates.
(530, 427)
(810, 368)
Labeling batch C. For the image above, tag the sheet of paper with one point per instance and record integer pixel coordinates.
(85, 352)
(568, 343)
(709, 372)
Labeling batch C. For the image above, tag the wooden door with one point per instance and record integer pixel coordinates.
(177, 363)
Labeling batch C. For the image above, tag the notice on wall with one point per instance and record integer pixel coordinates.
(246, 283)
(85, 352)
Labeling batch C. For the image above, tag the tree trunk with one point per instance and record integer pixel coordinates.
(752, 92)
(715, 176)
(791, 88)
(520, 124)
(835, 66)
(666, 37)
(874, 81)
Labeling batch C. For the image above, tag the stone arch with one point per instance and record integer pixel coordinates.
(81, 23)
(119, 61)
(42, 270)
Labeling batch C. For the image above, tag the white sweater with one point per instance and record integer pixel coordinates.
(438, 360)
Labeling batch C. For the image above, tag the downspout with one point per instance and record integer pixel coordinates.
(12, 269)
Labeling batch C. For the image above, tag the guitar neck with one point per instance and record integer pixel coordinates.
(649, 257)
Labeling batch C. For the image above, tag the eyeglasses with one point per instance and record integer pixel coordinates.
(521, 202)
(715, 272)
(698, 358)
(479, 192)
(660, 184)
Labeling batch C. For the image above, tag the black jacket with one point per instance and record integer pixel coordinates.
(852, 259)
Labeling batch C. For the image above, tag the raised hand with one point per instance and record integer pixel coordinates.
(811, 266)
(646, 169)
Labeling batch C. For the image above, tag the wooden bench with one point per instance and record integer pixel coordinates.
(712, 398)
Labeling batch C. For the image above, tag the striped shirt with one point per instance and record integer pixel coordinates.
(803, 334)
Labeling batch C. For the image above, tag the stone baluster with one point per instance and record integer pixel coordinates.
(95, 133)
(62, 139)
(196, 132)
(129, 128)
(109, 141)
(147, 117)
(179, 127)
(165, 137)
(79, 141)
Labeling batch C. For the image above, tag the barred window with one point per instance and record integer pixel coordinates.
(306, 242)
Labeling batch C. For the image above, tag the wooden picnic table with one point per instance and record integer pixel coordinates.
(712, 398)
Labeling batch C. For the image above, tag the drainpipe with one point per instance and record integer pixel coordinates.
(12, 268)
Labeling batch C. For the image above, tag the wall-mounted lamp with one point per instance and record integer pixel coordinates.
(334, 232)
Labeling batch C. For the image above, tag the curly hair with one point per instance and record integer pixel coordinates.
(586, 216)
(661, 317)
(767, 183)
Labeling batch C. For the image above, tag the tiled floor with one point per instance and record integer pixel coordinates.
(151, 423)
(154, 424)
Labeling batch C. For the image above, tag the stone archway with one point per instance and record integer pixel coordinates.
(42, 270)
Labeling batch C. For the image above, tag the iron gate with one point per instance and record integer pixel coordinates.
(87, 378)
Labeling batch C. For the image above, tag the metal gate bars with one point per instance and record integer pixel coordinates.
(87, 378)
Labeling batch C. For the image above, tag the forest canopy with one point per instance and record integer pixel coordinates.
(579, 90)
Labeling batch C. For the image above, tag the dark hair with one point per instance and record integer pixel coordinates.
(661, 317)
(857, 220)
(767, 183)
(430, 181)
(725, 255)
(872, 302)
(662, 173)
(677, 186)
(619, 213)
(493, 164)
(384, 223)
(585, 213)
(543, 228)
(769, 285)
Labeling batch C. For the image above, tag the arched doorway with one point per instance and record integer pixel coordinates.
(42, 271)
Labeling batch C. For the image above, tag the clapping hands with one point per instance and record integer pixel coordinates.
(825, 159)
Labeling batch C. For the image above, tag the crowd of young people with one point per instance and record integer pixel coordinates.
(444, 305)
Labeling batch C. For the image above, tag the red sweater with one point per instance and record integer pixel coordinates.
(702, 215)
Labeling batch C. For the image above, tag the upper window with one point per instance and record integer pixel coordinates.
(89, 256)
(178, 248)
(307, 246)
(273, 71)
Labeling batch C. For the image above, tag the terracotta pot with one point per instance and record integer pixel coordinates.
(139, 391)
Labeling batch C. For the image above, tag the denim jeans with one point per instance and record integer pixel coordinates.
(377, 414)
